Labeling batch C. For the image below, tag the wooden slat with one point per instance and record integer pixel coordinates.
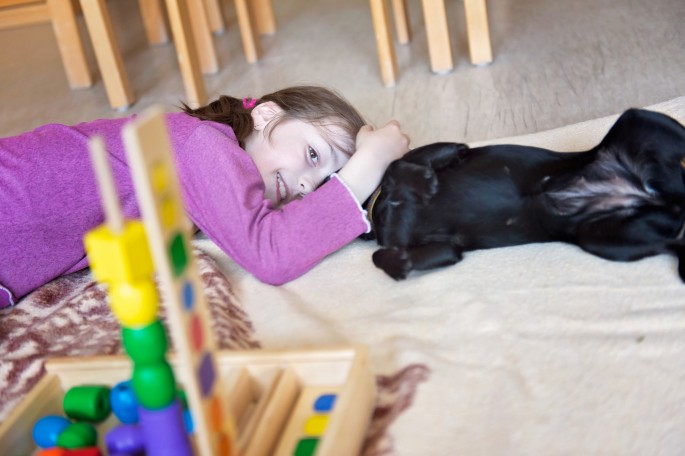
(386, 49)
(264, 16)
(248, 32)
(25, 15)
(70, 44)
(402, 29)
(438, 36)
(202, 36)
(152, 14)
(215, 16)
(188, 59)
(14, 3)
(107, 53)
(478, 31)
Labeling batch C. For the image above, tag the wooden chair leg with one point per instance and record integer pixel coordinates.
(202, 36)
(437, 32)
(215, 16)
(402, 29)
(384, 42)
(153, 21)
(107, 53)
(264, 16)
(248, 33)
(63, 17)
(26, 15)
(188, 59)
(478, 31)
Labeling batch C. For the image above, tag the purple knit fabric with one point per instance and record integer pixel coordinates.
(49, 200)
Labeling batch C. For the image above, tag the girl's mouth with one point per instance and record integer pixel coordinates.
(281, 188)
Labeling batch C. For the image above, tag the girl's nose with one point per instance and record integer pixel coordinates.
(306, 185)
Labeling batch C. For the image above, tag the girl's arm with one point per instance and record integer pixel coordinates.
(376, 149)
(224, 196)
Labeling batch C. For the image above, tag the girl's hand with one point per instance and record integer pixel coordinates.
(376, 149)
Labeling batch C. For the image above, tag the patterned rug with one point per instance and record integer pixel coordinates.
(70, 317)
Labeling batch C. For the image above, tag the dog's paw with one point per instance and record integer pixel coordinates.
(394, 261)
(427, 186)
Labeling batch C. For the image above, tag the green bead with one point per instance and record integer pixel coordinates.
(78, 435)
(87, 403)
(154, 385)
(146, 345)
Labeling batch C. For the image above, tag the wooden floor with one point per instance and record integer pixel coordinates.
(555, 63)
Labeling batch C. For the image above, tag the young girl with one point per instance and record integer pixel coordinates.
(239, 162)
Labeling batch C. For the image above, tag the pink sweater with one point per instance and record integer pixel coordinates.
(49, 200)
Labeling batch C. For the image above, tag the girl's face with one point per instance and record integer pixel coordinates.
(295, 159)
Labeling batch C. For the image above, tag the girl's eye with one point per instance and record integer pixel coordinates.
(313, 155)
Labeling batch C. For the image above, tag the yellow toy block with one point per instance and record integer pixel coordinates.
(134, 304)
(122, 257)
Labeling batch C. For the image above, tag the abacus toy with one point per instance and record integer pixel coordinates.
(119, 256)
(249, 403)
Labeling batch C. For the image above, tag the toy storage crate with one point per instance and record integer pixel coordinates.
(270, 394)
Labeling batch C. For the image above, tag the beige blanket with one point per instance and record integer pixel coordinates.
(535, 350)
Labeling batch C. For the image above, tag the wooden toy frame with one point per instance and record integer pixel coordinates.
(265, 390)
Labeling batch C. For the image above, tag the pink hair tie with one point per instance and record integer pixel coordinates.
(248, 103)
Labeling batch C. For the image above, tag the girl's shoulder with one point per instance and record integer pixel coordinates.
(182, 125)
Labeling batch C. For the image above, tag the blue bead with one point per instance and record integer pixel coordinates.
(188, 296)
(124, 403)
(47, 429)
(188, 421)
(324, 403)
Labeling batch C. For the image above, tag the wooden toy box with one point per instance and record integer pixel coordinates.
(270, 395)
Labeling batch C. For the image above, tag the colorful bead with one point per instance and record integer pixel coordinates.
(56, 451)
(127, 439)
(87, 403)
(316, 425)
(154, 385)
(164, 431)
(178, 255)
(78, 435)
(306, 447)
(124, 403)
(47, 429)
(90, 451)
(324, 403)
(146, 345)
(119, 257)
(188, 421)
(134, 304)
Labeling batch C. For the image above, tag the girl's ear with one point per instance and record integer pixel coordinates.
(263, 113)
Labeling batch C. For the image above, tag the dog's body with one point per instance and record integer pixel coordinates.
(622, 200)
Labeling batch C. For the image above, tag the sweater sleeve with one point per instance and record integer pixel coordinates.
(224, 196)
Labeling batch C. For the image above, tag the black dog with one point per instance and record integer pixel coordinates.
(622, 200)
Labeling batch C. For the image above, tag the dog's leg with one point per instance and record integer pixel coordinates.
(627, 238)
(394, 261)
(438, 155)
(678, 248)
(410, 182)
(398, 262)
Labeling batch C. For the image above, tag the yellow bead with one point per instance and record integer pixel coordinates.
(122, 257)
(168, 214)
(316, 425)
(134, 304)
(160, 178)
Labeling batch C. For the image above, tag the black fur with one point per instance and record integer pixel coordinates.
(622, 200)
